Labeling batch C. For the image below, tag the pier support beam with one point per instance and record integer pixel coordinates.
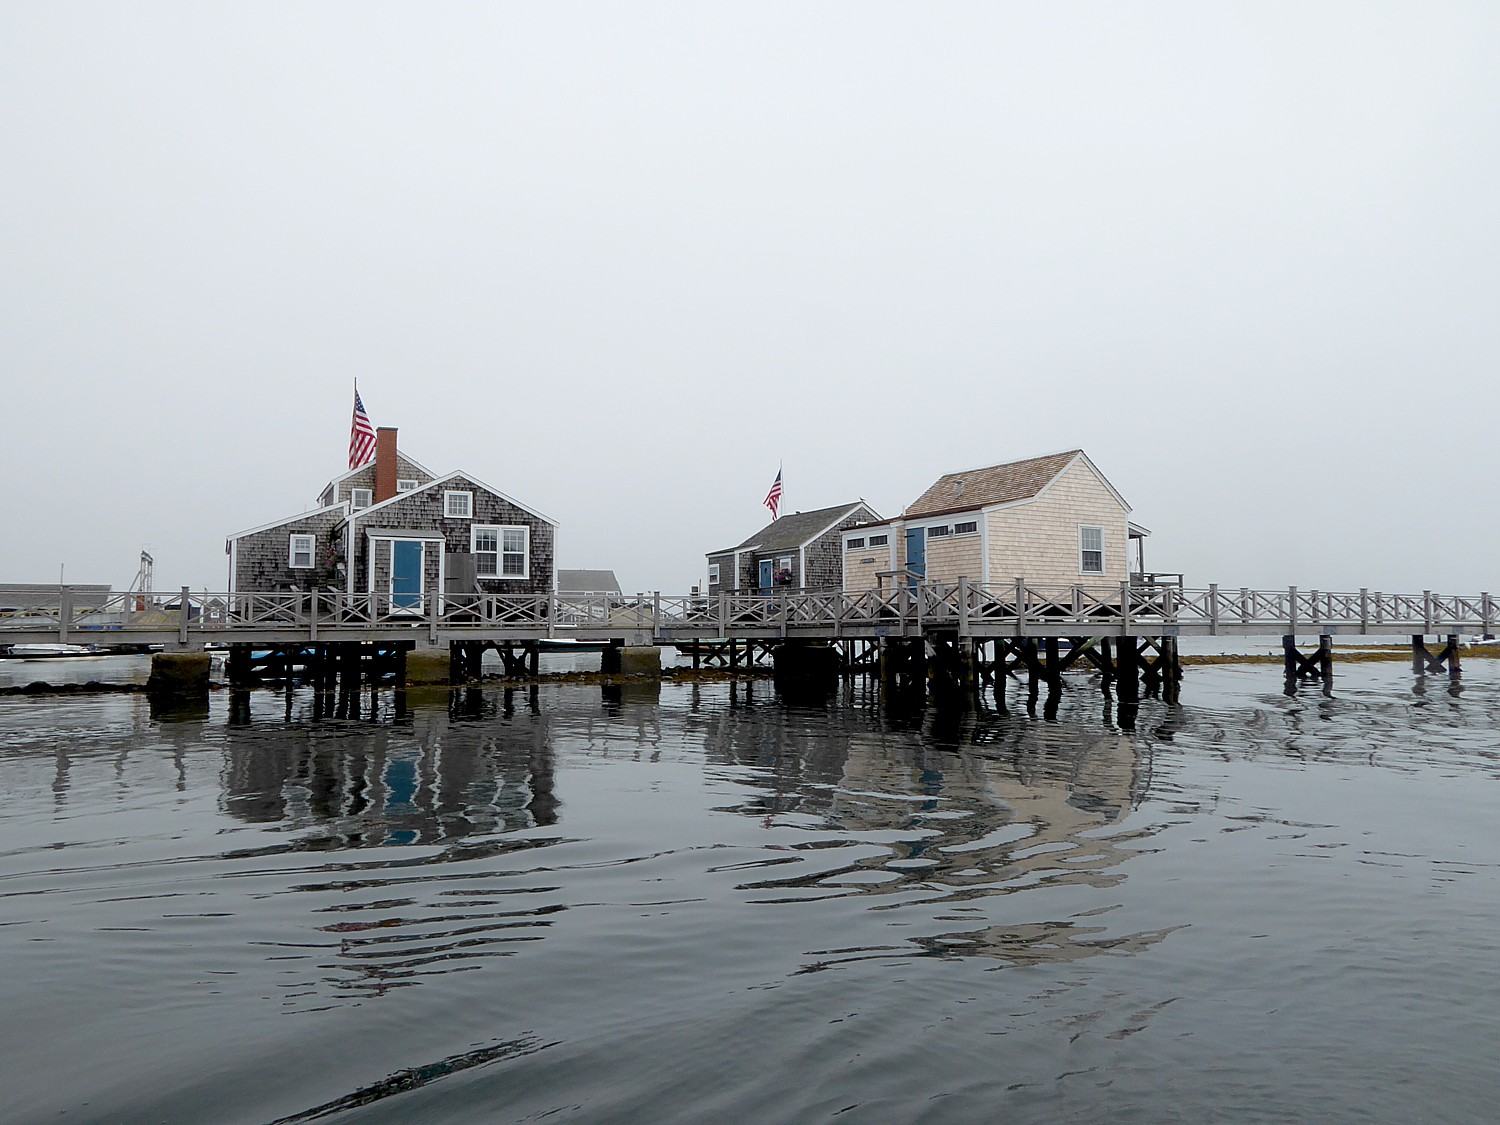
(805, 669)
(1423, 661)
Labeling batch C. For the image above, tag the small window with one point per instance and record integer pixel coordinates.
(361, 498)
(515, 543)
(854, 544)
(940, 529)
(458, 505)
(968, 527)
(784, 563)
(879, 540)
(1091, 550)
(300, 551)
(405, 484)
(484, 542)
(713, 574)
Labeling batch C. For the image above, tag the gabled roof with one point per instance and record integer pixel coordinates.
(364, 514)
(342, 505)
(592, 581)
(361, 468)
(798, 529)
(1010, 483)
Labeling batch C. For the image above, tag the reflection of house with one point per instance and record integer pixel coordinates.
(393, 528)
(800, 550)
(587, 582)
(1053, 521)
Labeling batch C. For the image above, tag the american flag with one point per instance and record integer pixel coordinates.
(361, 435)
(773, 498)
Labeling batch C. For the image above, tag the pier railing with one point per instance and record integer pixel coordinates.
(970, 609)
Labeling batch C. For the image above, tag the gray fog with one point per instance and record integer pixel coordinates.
(620, 261)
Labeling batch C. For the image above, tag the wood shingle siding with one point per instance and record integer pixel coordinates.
(1038, 541)
(424, 510)
(260, 560)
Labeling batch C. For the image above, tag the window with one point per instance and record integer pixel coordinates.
(361, 498)
(968, 527)
(879, 540)
(854, 544)
(1091, 550)
(713, 574)
(940, 529)
(405, 484)
(458, 505)
(300, 551)
(500, 552)
(514, 552)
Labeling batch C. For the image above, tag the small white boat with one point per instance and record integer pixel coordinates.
(52, 652)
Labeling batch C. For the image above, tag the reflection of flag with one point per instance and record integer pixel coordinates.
(361, 435)
(773, 498)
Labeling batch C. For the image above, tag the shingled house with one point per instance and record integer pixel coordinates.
(392, 527)
(1052, 521)
(800, 550)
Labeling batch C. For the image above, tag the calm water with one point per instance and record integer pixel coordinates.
(698, 905)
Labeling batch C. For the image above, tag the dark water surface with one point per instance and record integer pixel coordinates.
(700, 905)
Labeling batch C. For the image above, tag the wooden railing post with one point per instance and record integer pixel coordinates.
(1213, 609)
(182, 617)
(432, 618)
(64, 613)
(1364, 610)
(312, 615)
(1486, 613)
(1426, 611)
(1125, 604)
(1291, 609)
(552, 613)
(723, 614)
(1244, 605)
(1020, 606)
(963, 605)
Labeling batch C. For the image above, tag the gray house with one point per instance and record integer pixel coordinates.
(391, 527)
(802, 550)
(587, 582)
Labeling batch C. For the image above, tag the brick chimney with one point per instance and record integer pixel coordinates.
(385, 463)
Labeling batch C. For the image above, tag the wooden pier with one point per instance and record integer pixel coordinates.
(963, 633)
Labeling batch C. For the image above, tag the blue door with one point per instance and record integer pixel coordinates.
(406, 575)
(916, 553)
(767, 573)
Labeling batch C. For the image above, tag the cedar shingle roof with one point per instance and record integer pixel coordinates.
(998, 484)
(792, 531)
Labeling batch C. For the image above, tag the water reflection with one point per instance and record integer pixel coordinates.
(968, 804)
(436, 776)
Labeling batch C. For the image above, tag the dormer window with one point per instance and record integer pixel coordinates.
(361, 498)
(458, 505)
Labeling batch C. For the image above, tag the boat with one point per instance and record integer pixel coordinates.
(52, 651)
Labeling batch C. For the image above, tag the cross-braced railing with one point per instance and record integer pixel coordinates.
(970, 609)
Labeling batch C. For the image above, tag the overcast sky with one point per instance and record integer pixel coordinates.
(619, 260)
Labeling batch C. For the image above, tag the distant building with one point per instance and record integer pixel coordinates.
(801, 550)
(392, 527)
(1052, 521)
(587, 582)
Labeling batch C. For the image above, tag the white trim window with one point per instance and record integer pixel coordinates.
(855, 544)
(1090, 550)
(458, 505)
(501, 551)
(879, 540)
(713, 574)
(966, 527)
(361, 498)
(938, 530)
(406, 484)
(300, 551)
